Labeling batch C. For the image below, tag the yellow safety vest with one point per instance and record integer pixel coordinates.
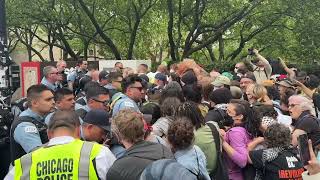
(65, 161)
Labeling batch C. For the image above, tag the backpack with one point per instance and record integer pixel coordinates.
(76, 83)
(221, 171)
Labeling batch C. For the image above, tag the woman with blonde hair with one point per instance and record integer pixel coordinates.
(258, 94)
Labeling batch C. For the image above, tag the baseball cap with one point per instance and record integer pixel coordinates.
(228, 75)
(99, 118)
(286, 83)
(221, 80)
(104, 74)
(161, 77)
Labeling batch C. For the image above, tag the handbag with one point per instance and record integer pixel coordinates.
(221, 171)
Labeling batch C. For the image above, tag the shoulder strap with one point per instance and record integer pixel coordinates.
(81, 113)
(81, 101)
(216, 137)
(114, 102)
(33, 121)
(220, 111)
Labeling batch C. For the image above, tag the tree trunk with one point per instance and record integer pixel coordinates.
(133, 37)
(221, 49)
(51, 56)
(170, 31)
(106, 38)
(85, 49)
(29, 53)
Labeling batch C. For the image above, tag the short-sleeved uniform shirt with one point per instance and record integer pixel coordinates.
(285, 166)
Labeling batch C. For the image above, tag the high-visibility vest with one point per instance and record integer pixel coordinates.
(65, 161)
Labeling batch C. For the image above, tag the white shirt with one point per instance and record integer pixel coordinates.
(104, 159)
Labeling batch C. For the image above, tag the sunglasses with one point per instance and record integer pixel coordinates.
(105, 103)
(139, 88)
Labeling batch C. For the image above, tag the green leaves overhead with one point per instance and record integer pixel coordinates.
(213, 31)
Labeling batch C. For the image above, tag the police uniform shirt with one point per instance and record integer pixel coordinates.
(104, 159)
(51, 86)
(48, 117)
(124, 103)
(80, 106)
(72, 76)
(26, 133)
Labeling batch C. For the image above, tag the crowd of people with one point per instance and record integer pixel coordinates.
(179, 122)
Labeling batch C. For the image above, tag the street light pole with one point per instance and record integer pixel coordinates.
(5, 60)
(4, 54)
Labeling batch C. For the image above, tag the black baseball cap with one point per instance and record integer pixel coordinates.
(99, 118)
(161, 77)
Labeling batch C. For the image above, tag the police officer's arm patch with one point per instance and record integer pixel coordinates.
(128, 104)
(30, 129)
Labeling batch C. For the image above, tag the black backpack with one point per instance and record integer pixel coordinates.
(221, 171)
(76, 83)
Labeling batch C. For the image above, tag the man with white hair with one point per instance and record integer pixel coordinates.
(302, 112)
(50, 77)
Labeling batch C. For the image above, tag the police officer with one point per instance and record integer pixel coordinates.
(65, 156)
(64, 100)
(51, 77)
(28, 131)
(133, 89)
(96, 126)
(97, 98)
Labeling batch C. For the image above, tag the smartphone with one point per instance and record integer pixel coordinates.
(304, 149)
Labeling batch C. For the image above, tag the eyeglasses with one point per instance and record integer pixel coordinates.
(105, 103)
(139, 88)
(118, 81)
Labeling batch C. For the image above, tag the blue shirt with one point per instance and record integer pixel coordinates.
(26, 133)
(51, 86)
(72, 76)
(109, 86)
(123, 103)
(193, 159)
(80, 106)
(48, 117)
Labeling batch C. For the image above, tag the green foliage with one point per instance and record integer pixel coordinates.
(201, 30)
